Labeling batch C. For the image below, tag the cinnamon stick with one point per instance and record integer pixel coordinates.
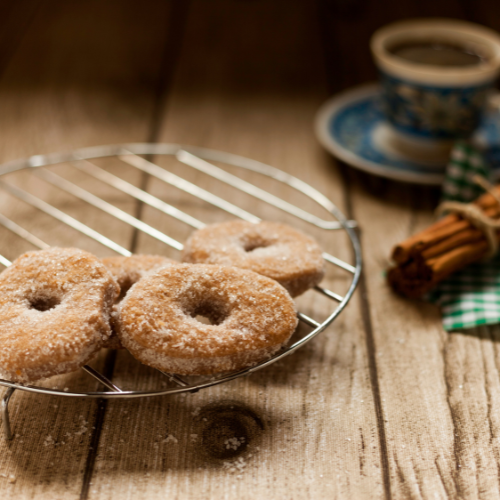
(439, 231)
(425, 259)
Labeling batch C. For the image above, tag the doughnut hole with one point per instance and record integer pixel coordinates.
(208, 312)
(251, 244)
(251, 248)
(43, 301)
(203, 319)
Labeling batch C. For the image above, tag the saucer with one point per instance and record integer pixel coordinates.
(352, 126)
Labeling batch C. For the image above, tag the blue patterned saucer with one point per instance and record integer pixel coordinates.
(352, 126)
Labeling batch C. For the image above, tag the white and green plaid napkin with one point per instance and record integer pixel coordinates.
(465, 162)
(470, 297)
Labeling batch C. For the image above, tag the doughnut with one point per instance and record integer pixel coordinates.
(274, 250)
(251, 318)
(127, 271)
(55, 308)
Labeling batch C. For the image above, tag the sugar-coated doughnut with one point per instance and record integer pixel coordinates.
(274, 250)
(251, 318)
(127, 271)
(55, 308)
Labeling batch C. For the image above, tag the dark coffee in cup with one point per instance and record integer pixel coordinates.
(436, 53)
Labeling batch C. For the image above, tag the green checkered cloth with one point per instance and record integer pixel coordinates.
(470, 297)
(465, 162)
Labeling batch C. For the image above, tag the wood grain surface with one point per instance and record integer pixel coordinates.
(384, 404)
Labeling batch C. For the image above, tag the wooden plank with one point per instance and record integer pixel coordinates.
(437, 390)
(309, 422)
(15, 20)
(78, 78)
(434, 395)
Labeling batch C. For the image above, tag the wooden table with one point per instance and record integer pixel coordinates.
(385, 404)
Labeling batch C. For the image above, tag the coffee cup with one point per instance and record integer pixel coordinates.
(437, 76)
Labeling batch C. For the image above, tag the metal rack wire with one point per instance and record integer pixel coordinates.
(199, 159)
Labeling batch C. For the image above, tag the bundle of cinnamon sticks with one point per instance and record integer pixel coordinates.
(423, 260)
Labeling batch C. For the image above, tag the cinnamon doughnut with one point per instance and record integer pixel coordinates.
(55, 309)
(251, 318)
(274, 250)
(127, 271)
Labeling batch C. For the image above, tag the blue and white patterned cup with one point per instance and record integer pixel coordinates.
(429, 106)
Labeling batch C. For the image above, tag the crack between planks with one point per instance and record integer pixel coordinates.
(100, 413)
(454, 420)
(489, 335)
(492, 336)
(362, 287)
(21, 31)
(441, 478)
(170, 58)
(176, 27)
(362, 454)
(374, 382)
(489, 396)
(371, 349)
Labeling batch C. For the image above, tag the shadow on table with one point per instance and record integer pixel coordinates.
(399, 194)
(484, 332)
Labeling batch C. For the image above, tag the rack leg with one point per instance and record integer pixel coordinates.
(5, 413)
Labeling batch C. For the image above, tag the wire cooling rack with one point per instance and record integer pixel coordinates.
(218, 167)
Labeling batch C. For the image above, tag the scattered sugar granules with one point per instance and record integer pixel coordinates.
(234, 443)
(84, 428)
(49, 440)
(170, 439)
(236, 466)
